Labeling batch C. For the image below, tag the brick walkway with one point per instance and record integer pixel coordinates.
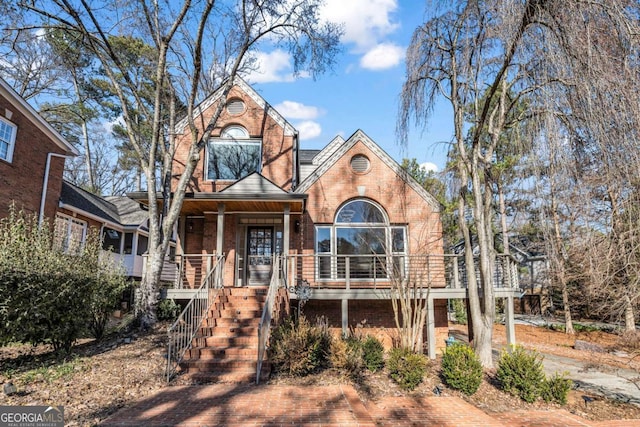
(276, 405)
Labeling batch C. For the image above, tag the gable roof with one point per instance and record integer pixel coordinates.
(289, 130)
(306, 156)
(254, 183)
(338, 147)
(113, 210)
(30, 113)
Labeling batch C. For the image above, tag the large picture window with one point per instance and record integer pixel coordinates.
(234, 155)
(360, 241)
(7, 139)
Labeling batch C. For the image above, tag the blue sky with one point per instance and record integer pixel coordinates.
(363, 90)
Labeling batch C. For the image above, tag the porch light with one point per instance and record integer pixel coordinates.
(190, 226)
(296, 226)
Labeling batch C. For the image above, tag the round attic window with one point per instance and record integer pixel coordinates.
(235, 106)
(360, 163)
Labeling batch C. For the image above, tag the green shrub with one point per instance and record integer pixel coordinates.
(346, 355)
(520, 373)
(168, 310)
(406, 368)
(53, 290)
(373, 353)
(556, 389)
(299, 348)
(459, 311)
(461, 368)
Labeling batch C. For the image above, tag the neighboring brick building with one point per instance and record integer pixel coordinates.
(32, 156)
(350, 221)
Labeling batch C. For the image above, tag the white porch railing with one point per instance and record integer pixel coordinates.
(182, 332)
(378, 271)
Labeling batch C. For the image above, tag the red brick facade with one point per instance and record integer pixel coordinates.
(403, 203)
(277, 148)
(22, 179)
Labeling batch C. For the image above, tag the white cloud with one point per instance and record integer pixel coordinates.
(308, 129)
(383, 56)
(272, 66)
(365, 22)
(429, 167)
(296, 110)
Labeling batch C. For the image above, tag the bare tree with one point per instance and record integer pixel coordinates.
(177, 33)
(487, 58)
(473, 55)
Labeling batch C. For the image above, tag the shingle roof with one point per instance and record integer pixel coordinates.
(306, 156)
(116, 209)
(129, 210)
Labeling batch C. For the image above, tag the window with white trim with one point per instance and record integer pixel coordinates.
(360, 241)
(7, 139)
(69, 233)
(233, 155)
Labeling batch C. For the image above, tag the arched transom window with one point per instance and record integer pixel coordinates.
(233, 155)
(362, 237)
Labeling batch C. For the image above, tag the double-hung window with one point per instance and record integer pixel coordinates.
(7, 139)
(233, 155)
(359, 244)
(70, 234)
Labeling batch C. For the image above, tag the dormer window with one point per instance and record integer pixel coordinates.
(233, 155)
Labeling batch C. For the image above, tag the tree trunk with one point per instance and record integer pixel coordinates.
(149, 295)
(629, 317)
(560, 263)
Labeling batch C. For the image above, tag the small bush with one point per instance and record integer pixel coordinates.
(168, 310)
(373, 353)
(520, 373)
(556, 389)
(346, 355)
(299, 348)
(406, 368)
(459, 311)
(461, 368)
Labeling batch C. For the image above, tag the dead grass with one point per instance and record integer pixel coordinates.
(98, 379)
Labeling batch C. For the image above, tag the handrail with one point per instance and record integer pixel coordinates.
(182, 332)
(378, 271)
(264, 328)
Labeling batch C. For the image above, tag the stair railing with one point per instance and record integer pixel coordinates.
(270, 311)
(182, 332)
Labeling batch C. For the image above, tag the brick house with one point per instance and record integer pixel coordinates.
(347, 223)
(32, 155)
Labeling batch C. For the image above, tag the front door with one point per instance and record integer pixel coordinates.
(260, 242)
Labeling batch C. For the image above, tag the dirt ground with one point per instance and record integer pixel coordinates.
(98, 379)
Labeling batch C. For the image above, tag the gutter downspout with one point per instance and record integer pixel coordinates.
(46, 184)
(296, 171)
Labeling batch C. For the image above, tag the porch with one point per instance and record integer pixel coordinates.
(347, 278)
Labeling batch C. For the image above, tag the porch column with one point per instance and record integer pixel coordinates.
(509, 322)
(345, 316)
(431, 328)
(182, 232)
(285, 231)
(220, 230)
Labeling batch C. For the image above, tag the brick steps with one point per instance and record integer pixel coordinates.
(226, 346)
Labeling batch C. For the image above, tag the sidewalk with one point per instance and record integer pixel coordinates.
(336, 405)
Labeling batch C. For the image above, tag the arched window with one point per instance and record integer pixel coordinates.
(233, 155)
(360, 236)
(234, 132)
